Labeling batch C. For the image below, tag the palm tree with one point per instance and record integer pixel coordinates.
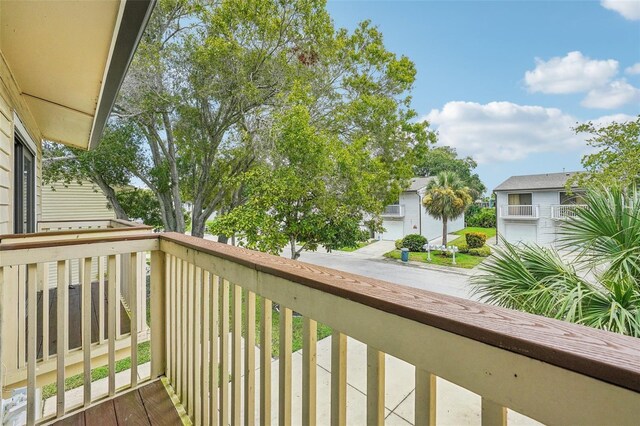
(446, 198)
(596, 280)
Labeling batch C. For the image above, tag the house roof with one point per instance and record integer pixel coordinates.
(69, 59)
(536, 182)
(417, 183)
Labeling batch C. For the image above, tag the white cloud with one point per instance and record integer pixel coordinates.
(629, 9)
(633, 69)
(504, 131)
(613, 95)
(572, 73)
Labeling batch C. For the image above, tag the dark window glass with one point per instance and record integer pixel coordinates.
(576, 197)
(24, 189)
(523, 199)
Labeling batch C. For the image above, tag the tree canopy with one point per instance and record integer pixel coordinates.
(211, 80)
(616, 160)
(438, 159)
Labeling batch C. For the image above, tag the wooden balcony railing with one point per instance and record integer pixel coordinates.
(520, 211)
(205, 298)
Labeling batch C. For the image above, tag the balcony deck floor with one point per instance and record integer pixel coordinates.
(147, 405)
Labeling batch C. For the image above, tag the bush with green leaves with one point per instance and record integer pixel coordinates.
(483, 251)
(398, 244)
(414, 242)
(595, 282)
(475, 239)
(482, 218)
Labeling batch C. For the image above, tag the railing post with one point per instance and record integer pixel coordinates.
(158, 300)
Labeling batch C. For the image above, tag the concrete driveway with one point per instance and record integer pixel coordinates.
(369, 262)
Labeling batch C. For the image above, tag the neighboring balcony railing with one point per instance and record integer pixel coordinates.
(393, 210)
(206, 298)
(563, 211)
(520, 211)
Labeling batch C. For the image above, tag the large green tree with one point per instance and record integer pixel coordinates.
(110, 166)
(616, 156)
(438, 159)
(446, 198)
(313, 191)
(595, 282)
(209, 78)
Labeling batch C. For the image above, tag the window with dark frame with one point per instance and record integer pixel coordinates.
(24, 210)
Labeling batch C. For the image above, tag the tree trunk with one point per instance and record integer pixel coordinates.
(110, 193)
(223, 239)
(294, 254)
(444, 231)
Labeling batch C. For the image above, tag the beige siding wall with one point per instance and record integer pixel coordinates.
(6, 166)
(11, 103)
(75, 201)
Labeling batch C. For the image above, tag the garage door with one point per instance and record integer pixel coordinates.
(394, 229)
(520, 232)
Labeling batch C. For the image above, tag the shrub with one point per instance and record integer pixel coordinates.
(463, 248)
(363, 235)
(483, 218)
(475, 239)
(399, 244)
(483, 251)
(414, 242)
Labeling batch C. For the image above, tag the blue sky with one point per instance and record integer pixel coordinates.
(504, 81)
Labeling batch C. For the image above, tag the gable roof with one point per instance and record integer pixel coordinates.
(417, 183)
(536, 182)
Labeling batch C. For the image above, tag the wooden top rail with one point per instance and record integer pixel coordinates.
(120, 226)
(599, 354)
(21, 253)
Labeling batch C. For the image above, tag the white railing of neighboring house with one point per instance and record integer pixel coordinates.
(562, 211)
(520, 211)
(393, 210)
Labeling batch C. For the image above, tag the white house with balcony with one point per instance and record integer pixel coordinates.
(531, 207)
(409, 217)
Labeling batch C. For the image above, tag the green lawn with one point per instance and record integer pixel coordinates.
(489, 232)
(360, 245)
(144, 356)
(296, 325)
(462, 260)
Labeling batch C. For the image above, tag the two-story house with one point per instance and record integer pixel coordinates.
(530, 207)
(410, 217)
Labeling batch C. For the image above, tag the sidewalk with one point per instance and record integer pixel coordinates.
(456, 406)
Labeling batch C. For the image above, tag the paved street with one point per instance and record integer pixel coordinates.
(372, 264)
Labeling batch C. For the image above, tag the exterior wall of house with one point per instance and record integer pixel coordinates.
(432, 228)
(411, 212)
(417, 220)
(545, 226)
(74, 201)
(11, 105)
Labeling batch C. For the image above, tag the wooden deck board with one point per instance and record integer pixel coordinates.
(106, 412)
(75, 420)
(159, 407)
(148, 405)
(129, 409)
